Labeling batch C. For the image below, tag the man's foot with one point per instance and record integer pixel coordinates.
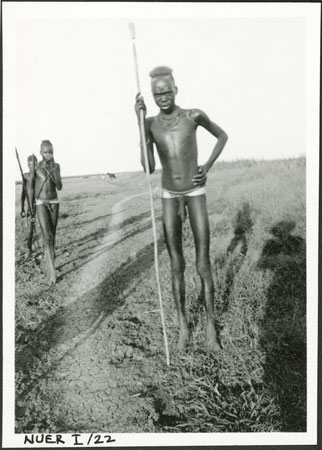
(211, 339)
(53, 278)
(183, 339)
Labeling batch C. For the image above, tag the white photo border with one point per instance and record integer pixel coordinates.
(13, 11)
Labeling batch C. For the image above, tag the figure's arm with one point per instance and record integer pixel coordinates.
(140, 105)
(54, 174)
(57, 177)
(31, 196)
(27, 192)
(31, 187)
(23, 197)
(203, 120)
(149, 147)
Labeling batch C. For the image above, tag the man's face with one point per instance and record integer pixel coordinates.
(164, 92)
(31, 163)
(47, 152)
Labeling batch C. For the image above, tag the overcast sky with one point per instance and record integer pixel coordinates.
(75, 83)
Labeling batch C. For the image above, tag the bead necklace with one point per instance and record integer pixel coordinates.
(169, 120)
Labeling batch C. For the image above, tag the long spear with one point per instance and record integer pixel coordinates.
(24, 187)
(145, 152)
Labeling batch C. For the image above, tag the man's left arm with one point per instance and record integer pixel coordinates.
(203, 120)
(56, 177)
(23, 196)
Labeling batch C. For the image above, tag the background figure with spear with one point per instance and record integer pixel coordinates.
(27, 194)
(47, 181)
(173, 131)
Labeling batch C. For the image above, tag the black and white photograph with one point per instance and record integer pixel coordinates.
(160, 220)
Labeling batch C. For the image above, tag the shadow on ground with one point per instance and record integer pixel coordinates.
(283, 326)
(237, 249)
(232, 260)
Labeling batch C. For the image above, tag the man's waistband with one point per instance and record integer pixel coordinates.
(41, 202)
(193, 193)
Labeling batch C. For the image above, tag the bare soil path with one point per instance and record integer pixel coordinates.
(90, 352)
(83, 383)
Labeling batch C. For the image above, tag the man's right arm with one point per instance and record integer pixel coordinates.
(31, 186)
(31, 194)
(27, 191)
(23, 197)
(140, 105)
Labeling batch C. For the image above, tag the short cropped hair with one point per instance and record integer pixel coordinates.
(46, 143)
(162, 72)
(31, 158)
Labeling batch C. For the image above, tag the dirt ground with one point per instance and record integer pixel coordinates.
(83, 380)
(89, 350)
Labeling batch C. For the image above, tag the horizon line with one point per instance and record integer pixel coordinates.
(238, 160)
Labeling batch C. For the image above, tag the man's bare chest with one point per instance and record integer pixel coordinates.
(42, 174)
(179, 134)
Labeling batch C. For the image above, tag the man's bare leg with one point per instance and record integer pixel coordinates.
(200, 227)
(30, 229)
(49, 252)
(172, 227)
(46, 227)
(54, 221)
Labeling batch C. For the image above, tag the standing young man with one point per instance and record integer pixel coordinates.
(27, 191)
(47, 181)
(173, 131)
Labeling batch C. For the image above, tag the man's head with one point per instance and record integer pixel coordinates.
(46, 150)
(31, 161)
(163, 87)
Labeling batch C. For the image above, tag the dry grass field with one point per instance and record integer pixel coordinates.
(89, 351)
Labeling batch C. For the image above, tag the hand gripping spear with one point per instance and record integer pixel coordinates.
(145, 152)
(24, 188)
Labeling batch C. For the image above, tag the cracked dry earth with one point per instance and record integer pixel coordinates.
(89, 350)
(92, 352)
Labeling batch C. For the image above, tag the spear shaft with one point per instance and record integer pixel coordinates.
(24, 186)
(147, 170)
